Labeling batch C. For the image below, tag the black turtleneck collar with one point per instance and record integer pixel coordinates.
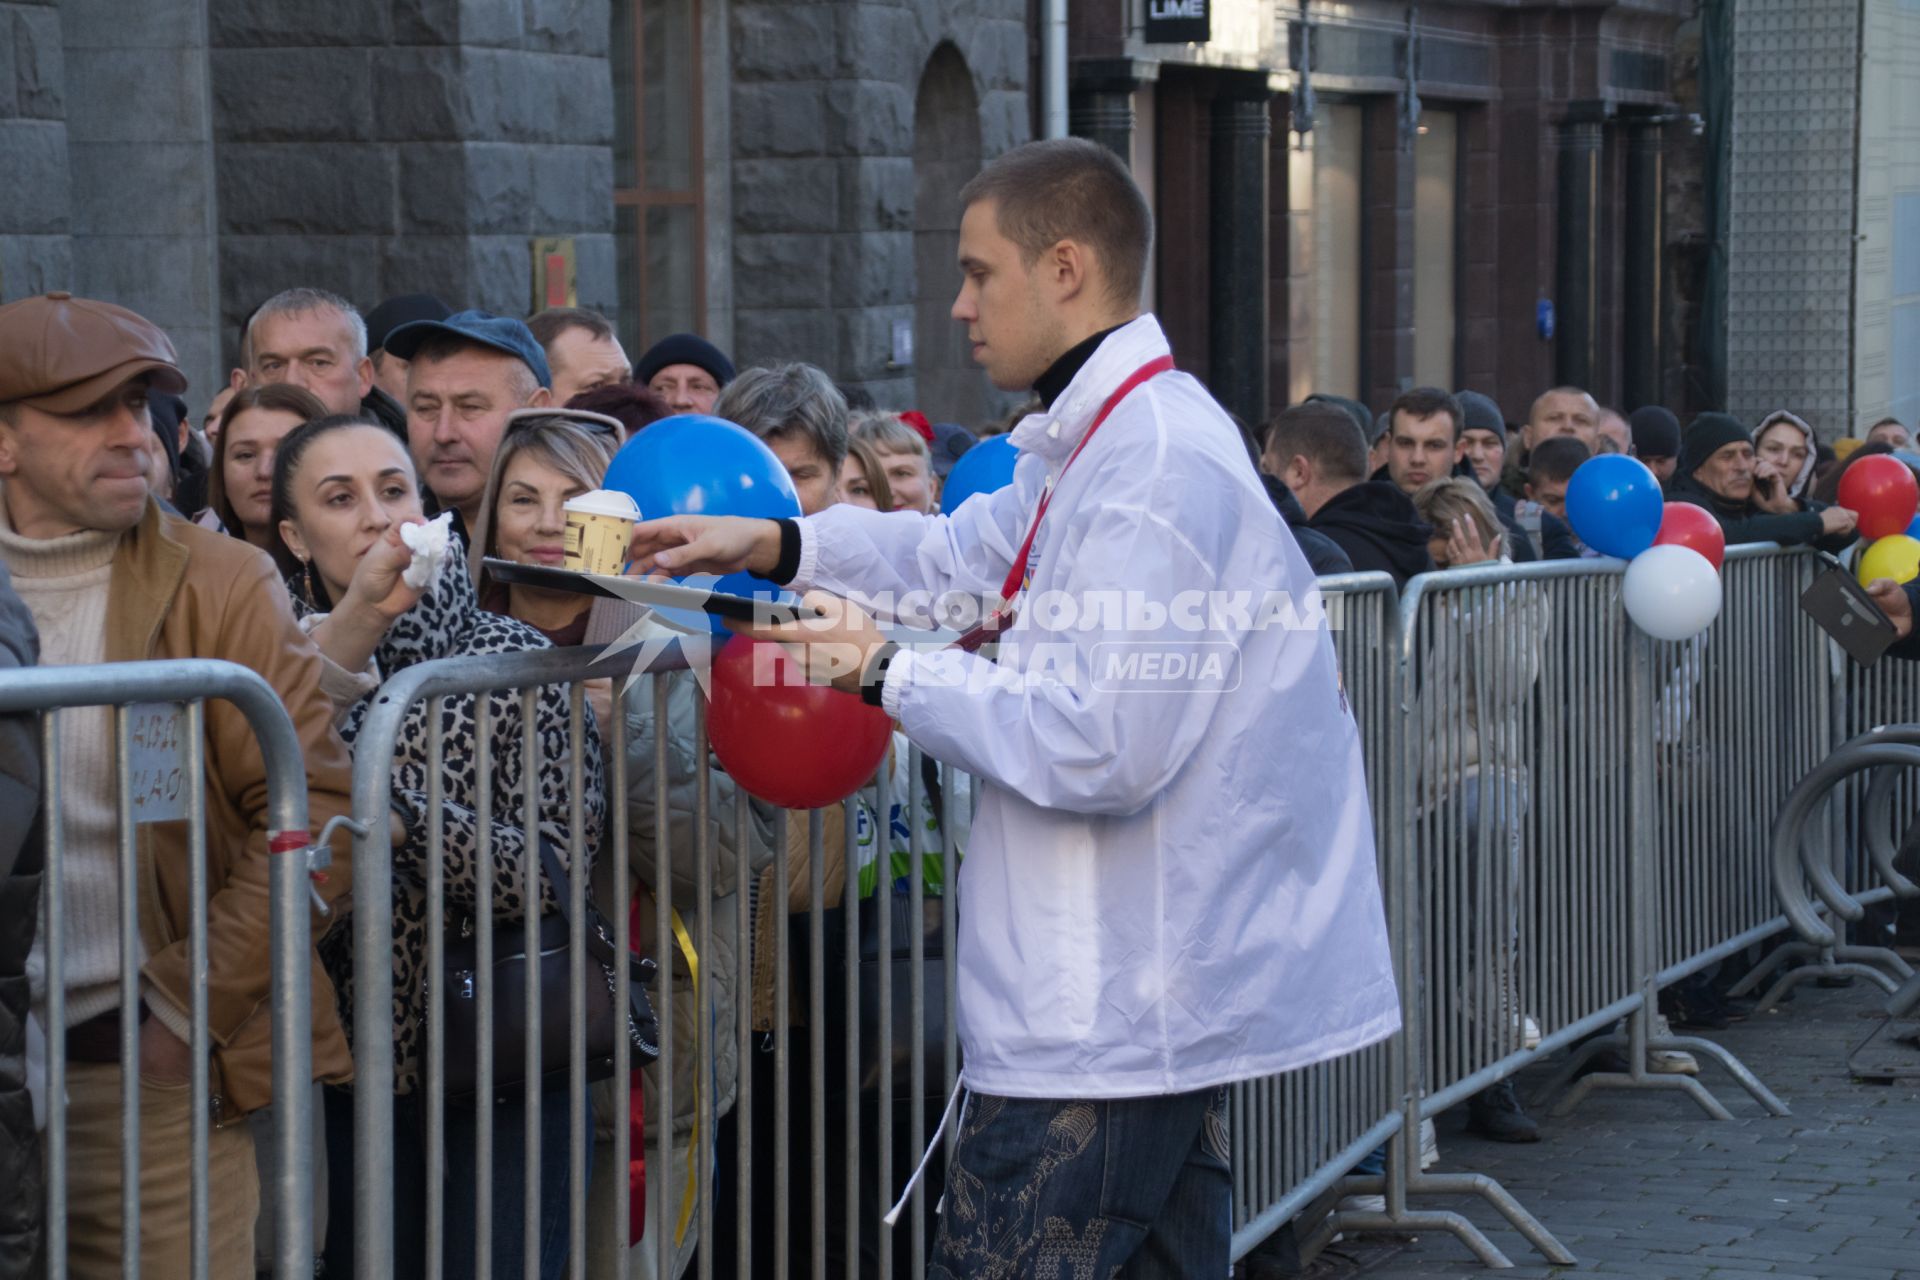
(1050, 384)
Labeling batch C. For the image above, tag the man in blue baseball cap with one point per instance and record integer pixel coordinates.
(465, 374)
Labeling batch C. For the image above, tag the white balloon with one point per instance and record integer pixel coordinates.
(1671, 592)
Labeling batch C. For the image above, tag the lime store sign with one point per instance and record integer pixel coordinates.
(1178, 22)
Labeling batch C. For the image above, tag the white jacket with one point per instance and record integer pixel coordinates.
(1170, 884)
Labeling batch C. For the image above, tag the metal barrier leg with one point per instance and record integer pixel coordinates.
(1901, 1002)
(1768, 964)
(1826, 968)
(1735, 1068)
(1875, 955)
(1452, 1223)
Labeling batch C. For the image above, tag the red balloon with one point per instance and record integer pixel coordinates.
(1881, 491)
(788, 742)
(1682, 524)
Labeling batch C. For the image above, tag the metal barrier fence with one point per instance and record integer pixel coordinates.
(156, 723)
(1569, 817)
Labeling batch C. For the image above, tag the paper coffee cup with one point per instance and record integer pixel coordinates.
(599, 530)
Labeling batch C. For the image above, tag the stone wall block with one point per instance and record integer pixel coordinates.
(37, 76)
(772, 120)
(134, 95)
(597, 273)
(572, 190)
(431, 178)
(875, 269)
(33, 194)
(136, 189)
(295, 23)
(498, 188)
(877, 193)
(779, 271)
(569, 26)
(784, 42)
(323, 189)
(500, 274)
(418, 95)
(761, 337)
(785, 195)
(293, 95)
(31, 265)
(869, 118)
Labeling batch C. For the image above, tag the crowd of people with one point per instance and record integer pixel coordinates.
(131, 526)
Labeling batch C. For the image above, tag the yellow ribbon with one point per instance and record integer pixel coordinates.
(693, 1147)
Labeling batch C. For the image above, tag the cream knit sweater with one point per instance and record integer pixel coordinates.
(64, 584)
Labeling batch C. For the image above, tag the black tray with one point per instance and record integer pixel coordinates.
(669, 595)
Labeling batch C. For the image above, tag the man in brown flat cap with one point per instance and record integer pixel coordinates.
(110, 577)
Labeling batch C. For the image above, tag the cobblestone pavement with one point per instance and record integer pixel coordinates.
(1643, 1184)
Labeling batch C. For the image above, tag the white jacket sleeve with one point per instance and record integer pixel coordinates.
(864, 555)
(1067, 722)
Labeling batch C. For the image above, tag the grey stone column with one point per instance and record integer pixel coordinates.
(1237, 241)
(1577, 286)
(1644, 264)
(1101, 107)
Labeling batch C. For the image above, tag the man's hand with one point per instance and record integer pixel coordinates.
(1838, 520)
(1892, 599)
(680, 545)
(165, 1059)
(834, 644)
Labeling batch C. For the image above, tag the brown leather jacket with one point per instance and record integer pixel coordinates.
(180, 591)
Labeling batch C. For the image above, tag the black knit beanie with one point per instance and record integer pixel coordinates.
(1656, 432)
(1707, 435)
(1481, 414)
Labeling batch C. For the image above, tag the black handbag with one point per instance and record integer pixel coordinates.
(461, 1070)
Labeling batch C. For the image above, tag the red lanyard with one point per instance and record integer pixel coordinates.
(1017, 575)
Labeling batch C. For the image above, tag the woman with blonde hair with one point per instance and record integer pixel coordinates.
(546, 458)
(905, 460)
(1466, 528)
(863, 480)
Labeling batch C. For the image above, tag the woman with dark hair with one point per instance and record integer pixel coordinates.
(343, 488)
(634, 407)
(240, 479)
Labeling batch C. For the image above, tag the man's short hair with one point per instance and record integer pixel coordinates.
(290, 302)
(442, 344)
(1424, 402)
(787, 400)
(1556, 460)
(1557, 391)
(554, 321)
(1324, 435)
(1070, 189)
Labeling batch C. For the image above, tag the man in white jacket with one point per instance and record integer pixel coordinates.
(1171, 882)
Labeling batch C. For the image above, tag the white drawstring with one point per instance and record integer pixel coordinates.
(933, 1145)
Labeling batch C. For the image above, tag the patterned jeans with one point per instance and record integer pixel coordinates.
(1088, 1190)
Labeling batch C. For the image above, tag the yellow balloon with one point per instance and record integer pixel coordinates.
(1896, 557)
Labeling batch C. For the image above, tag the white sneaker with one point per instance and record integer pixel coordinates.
(1429, 1145)
(1529, 1032)
(1668, 1062)
(1363, 1204)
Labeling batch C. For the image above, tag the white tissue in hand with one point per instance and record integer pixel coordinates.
(428, 542)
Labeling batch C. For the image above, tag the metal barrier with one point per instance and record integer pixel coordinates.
(1297, 1135)
(1569, 817)
(157, 711)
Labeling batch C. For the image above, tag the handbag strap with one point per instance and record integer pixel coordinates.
(599, 944)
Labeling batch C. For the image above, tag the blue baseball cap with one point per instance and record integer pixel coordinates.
(502, 333)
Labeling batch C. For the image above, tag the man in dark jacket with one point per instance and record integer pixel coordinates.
(1317, 451)
(19, 914)
(1718, 471)
(1323, 553)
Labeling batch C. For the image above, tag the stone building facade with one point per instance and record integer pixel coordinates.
(1360, 196)
(776, 175)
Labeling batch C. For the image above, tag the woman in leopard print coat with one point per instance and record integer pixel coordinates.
(341, 491)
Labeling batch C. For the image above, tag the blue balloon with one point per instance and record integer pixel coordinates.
(1614, 504)
(693, 464)
(982, 469)
(1913, 530)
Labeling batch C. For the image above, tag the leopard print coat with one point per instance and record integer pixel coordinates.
(447, 623)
